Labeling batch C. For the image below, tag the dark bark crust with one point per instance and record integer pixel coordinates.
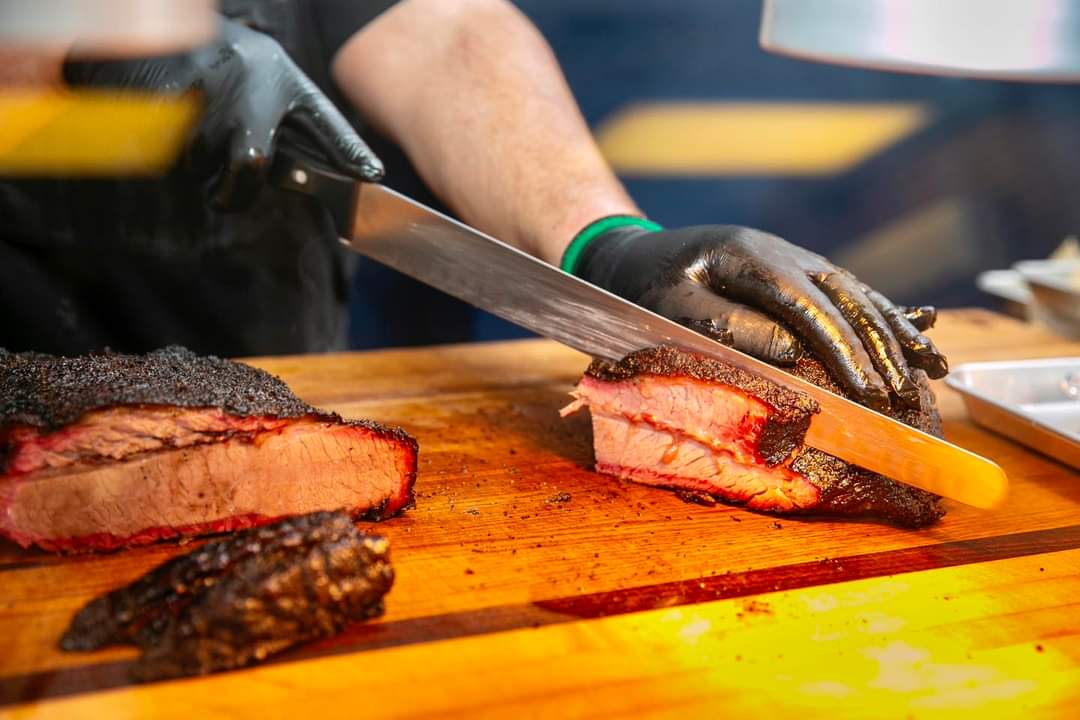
(851, 490)
(48, 392)
(237, 600)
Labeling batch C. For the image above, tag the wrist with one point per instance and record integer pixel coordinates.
(572, 258)
(578, 207)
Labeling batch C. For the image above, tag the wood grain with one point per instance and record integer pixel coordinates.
(995, 639)
(426, 629)
(489, 549)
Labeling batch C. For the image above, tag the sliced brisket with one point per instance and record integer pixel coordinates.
(239, 600)
(109, 450)
(679, 420)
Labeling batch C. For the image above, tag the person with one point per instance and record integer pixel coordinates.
(212, 257)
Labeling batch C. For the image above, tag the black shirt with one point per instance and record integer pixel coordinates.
(137, 264)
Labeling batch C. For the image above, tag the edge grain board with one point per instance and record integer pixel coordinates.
(491, 548)
(984, 640)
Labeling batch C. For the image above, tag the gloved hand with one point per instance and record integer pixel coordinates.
(734, 280)
(251, 90)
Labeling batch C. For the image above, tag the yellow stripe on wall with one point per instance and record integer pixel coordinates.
(92, 132)
(714, 138)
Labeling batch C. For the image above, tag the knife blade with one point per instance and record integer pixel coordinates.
(424, 244)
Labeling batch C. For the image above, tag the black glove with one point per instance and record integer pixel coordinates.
(732, 281)
(251, 90)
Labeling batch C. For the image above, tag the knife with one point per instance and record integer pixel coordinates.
(424, 244)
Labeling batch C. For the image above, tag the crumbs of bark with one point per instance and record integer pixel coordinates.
(696, 498)
(559, 498)
(757, 607)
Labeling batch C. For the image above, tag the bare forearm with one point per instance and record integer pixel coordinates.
(474, 95)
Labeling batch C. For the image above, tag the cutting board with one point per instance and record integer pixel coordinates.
(527, 584)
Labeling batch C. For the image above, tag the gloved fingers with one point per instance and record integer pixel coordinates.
(320, 122)
(814, 319)
(252, 122)
(873, 330)
(708, 328)
(203, 156)
(696, 306)
(247, 162)
(922, 317)
(918, 349)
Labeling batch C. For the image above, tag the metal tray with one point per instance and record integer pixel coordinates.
(1035, 402)
(1055, 293)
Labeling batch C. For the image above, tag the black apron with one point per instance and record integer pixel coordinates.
(138, 264)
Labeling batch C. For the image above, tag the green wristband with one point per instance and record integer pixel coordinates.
(599, 227)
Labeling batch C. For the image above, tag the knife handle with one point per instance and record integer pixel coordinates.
(297, 168)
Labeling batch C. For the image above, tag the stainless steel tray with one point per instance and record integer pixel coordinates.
(1055, 293)
(1035, 402)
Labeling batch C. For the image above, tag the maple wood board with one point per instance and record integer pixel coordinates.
(526, 583)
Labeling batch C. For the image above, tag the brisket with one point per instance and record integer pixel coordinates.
(679, 420)
(111, 450)
(239, 600)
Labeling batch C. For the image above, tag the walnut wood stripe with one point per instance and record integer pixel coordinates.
(102, 676)
(23, 565)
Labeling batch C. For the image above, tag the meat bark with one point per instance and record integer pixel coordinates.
(683, 421)
(237, 601)
(111, 450)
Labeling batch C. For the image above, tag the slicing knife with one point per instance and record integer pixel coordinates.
(386, 226)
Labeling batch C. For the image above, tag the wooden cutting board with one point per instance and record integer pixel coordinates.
(528, 585)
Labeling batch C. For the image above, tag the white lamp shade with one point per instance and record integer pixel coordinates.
(1002, 39)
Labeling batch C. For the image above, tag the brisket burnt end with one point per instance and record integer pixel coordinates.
(239, 600)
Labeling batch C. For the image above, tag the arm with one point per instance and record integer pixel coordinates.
(492, 127)
(473, 94)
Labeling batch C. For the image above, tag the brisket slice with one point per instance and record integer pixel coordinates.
(679, 420)
(239, 600)
(111, 450)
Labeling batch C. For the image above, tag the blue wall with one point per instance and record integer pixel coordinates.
(1005, 154)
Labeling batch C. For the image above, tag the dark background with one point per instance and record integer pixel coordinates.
(989, 180)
